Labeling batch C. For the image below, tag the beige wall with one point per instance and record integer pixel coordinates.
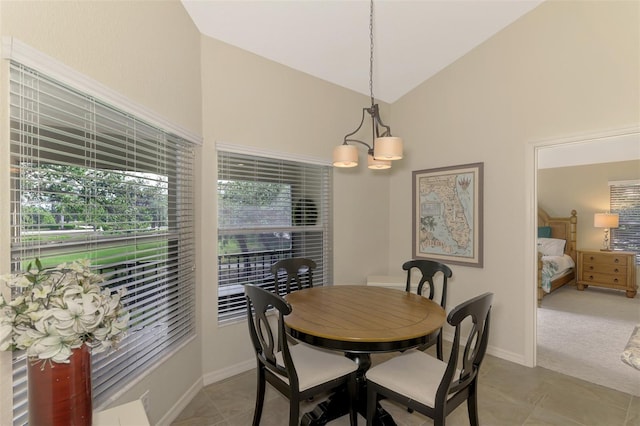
(148, 51)
(253, 102)
(565, 68)
(250, 101)
(491, 97)
(585, 189)
(151, 53)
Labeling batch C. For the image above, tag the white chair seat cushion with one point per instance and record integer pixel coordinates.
(413, 374)
(315, 366)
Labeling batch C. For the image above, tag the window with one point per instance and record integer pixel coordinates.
(89, 180)
(268, 209)
(625, 200)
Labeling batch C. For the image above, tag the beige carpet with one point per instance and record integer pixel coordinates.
(583, 333)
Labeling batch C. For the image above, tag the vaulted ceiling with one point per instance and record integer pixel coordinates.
(329, 39)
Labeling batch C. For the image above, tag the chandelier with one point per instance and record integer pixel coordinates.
(384, 147)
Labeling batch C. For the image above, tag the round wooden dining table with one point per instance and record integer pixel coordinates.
(360, 320)
(354, 318)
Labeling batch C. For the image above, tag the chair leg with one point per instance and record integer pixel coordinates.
(439, 346)
(372, 397)
(294, 411)
(439, 417)
(353, 409)
(472, 403)
(257, 413)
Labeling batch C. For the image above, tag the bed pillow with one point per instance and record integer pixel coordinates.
(631, 353)
(551, 246)
(544, 232)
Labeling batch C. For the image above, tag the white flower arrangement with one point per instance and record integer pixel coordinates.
(59, 309)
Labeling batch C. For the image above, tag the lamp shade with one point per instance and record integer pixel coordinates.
(377, 164)
(605, 220)
(387, 148)
(345, 156)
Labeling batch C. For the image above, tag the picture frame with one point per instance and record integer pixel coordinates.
(448, 214)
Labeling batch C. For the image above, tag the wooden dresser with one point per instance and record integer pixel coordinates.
(610, 269)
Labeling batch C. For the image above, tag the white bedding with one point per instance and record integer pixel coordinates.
(554, 267)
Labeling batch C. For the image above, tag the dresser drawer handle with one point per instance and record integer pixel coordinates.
(591, 258)
(590, 277)
(616, 270)
(615, 280)
(591, 267)
(616, 260)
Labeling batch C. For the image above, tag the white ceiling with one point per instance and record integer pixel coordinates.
(329, 39)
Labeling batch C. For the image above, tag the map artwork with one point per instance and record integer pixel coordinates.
(446, 212)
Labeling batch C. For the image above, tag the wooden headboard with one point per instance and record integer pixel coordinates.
(564, 228)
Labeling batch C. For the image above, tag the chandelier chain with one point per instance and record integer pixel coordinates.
(371, 52)
(383, 147)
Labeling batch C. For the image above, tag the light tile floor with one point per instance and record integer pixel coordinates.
(509, 395)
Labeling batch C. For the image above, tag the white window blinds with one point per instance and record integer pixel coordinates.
(624, 198)
(268, 209)
(89, 180)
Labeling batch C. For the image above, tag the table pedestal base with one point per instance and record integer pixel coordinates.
(337, 405)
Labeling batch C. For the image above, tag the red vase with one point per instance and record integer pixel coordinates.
(59, 393)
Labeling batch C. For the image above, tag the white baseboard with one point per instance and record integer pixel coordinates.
(231, 371)
(492, 350)
(205, 380)
(181, 404)
(507, 355)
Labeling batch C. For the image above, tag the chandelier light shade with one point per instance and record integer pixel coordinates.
(384, 147)
(345, 156)
(374, 164)
(388, 148)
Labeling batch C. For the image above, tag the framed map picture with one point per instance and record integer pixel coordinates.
(447, 214)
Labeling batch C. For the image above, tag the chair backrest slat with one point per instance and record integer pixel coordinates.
(428, 269)
(269, 339)
(478, 310)
(299, 273)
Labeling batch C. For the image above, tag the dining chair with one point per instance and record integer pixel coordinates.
(428, 270)
(430, 386)
(299, 273)
(298, 372)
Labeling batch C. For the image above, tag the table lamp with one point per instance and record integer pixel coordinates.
(606, 221)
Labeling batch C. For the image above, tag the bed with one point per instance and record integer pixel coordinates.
(556, 252)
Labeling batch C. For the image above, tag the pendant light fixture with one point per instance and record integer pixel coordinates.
(383, 148)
